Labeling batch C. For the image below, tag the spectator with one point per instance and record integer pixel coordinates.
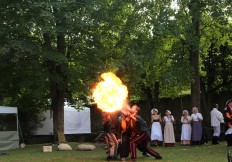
(156, 131)
(186, 129)
(216, 119)
(169, 137)
(196, 126)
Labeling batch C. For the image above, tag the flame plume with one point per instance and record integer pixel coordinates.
(110, 93)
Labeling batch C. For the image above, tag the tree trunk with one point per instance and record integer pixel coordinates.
(148, 92)
(58, 115)
(195, 86)
(58, 107)
(57, 90)
(204, 99)
(156, 94)
(194, 39)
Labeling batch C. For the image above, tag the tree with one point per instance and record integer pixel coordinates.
(215, 77)
(53, 29)
(155, 48)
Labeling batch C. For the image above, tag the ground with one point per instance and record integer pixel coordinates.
(34, 153)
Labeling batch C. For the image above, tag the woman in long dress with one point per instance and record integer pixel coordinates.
(169, 136)
(156, 131)
(196, 126)
(186, 129)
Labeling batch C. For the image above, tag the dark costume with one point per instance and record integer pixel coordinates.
(124, 145)
(140, 138)
(110, 129)
(228, 123)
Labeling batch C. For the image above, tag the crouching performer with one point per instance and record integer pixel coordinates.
(140, 135)
(109, 126)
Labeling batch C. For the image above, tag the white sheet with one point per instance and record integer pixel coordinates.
(75, 122)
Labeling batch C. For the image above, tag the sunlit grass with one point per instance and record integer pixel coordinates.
(33, 153)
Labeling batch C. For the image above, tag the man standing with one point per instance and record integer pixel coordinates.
(216, 119)
(141, 136)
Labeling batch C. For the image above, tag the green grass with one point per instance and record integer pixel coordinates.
(33, 153)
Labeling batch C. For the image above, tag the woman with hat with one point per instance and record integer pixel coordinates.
(196, 126)
(186, 128)
(169, 136)
(156, 131)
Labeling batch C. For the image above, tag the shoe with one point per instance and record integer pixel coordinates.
(123, 159)
(114, 158)
(108, 158)
(146, 155)
(159, 157)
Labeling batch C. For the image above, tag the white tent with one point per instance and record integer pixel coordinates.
(9, 139)
(75, 122)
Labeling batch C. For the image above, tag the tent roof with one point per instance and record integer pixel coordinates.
(8, 110)
(83, 109)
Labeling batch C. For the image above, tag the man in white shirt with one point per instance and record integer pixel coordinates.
(216, 119)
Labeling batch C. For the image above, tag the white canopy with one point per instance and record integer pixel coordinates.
(8, 110)
(9, 139)
(75, 122)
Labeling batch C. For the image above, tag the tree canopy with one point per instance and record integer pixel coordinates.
(52, 51)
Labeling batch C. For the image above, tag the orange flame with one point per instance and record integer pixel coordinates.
(110, 93)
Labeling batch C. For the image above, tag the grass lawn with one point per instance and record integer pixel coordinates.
(204, 153)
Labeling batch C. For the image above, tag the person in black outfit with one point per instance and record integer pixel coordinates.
(140, 135)
(110, 130)
(228, 122)
(124, 142)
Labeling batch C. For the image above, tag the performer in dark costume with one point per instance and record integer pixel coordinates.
(109, 126)
(140, 135)
(228, 122)
(125, 136)
(124, 144)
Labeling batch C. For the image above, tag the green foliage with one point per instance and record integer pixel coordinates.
(23, 82)
(143, 42)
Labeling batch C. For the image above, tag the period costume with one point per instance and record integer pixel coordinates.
(110, 129)
(124, 145)
(216, 120)
(156, 131)
(228, 122)
(140, 138)
(196, 128)
(186, 130)
(169, 136)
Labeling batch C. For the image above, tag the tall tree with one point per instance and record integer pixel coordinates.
(194, 49)
(216, 48)
(57, 30)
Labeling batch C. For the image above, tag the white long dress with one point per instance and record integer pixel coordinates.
(169, 136)
(229, 131)
(186, 130)
(156, 131)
